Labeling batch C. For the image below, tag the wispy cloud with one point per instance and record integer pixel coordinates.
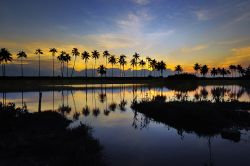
(238, 56)
(204, 15)
(196, 48)
(141, 2)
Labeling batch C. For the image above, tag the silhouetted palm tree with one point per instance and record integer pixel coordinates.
(85, 57)
(53, 51)
(67, 59)
(142, 63)
(214, 72)
(21, 55)
(61, 58)
(5, 57)
(133, 64)
(112, 61)
(95, 55)
(153, 64)
(240, 70)
(224, 72)
(75, 53)
(149, 61)
(136, 57)
(161, 67)
(233, 69)
(197, 67)
(101, 70)
(204, 70)
(122, 61)
(178, 69)
(106, 55)
(39, 52)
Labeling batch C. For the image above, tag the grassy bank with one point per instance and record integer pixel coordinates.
(204, 118)
(42, 138)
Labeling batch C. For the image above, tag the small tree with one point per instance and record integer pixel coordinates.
(178, 69)
(204, 70)
(101, 70)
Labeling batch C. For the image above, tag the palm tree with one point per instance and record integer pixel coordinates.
(112, 61)
(214, 72)
(204, 70)
(233, 69)
(106, 55)
(178, 69)
(240, 70)
(136, 56)
(53, 51)
(142, 63)
(101, 70)
(162, 66)
(67, 59)
(153, 64)
(61, 59)
(197, 67)
(95, 55)
(39, 52)
(149, 61)
(5, 57)
(133, 64)
(85, 57)
(75, 53)
(224, 72)
(21, 55)
(122, 61)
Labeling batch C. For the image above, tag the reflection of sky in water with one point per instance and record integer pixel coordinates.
(125, 145)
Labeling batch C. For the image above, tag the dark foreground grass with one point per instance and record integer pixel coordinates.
(204, 118)
(30, 139)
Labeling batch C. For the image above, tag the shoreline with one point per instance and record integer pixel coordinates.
(48, 83)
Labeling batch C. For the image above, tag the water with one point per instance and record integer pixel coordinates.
(128, 137)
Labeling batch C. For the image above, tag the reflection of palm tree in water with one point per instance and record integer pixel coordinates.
(210, 162)
(76, 113)
(106, 111)
(123, 102)
(85, 110)
(113, 105)
(4, 98)
(64, 109)
(40, 102)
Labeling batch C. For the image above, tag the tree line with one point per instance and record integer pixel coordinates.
(155, 67)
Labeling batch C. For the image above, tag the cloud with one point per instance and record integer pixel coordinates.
(243, 17)
(188, 50)
(141, 2)
(230, 42)
(238, 56)
(204, 15)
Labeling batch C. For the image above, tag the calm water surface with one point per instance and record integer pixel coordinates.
(127, 139)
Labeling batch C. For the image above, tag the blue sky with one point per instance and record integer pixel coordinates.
(215, 32)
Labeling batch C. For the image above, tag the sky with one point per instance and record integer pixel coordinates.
(212, 32)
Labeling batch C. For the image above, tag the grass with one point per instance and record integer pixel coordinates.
(44, 139)
(204, 118)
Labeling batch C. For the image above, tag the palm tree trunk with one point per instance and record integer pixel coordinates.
(73, 67)
(22, 66)
(112, 70)
(68, 70)
(86, 69)
(106, 66)
(123, 71)
(94, 68)
(53, 65)
(39, 66)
